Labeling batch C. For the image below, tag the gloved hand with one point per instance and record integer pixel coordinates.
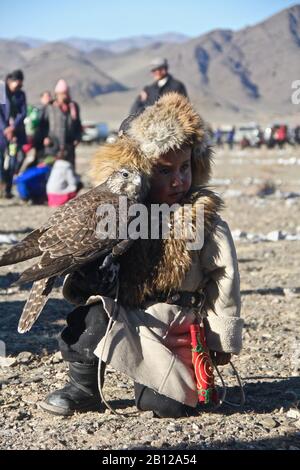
(95, 278)
(108, 273)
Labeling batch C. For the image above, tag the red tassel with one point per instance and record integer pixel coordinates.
(203, 366)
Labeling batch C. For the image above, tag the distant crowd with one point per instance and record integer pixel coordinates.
(255, 136)
(37, 144)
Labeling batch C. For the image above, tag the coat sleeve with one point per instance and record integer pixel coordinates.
(139, 105)
(223, 303)
(77, 125)
(3, 121)
(182, 90)
(43, 130)
(71, 180)
(22, 112)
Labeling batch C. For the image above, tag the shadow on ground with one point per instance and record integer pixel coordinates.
(7, 279)
(16, 232)
(42, 337)
(269, 291)
(264, 396)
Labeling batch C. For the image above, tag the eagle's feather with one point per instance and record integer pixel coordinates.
(70, 239)
(36, 301)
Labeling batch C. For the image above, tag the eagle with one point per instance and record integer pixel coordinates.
(70, 239)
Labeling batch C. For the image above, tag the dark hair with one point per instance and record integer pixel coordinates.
(16, 75)
(44, 92)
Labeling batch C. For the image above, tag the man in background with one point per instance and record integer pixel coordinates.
(164, 83)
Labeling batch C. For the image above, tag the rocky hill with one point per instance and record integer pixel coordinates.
(230, 75)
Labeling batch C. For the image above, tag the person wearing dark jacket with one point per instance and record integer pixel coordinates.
(164, 83)
(12, 129)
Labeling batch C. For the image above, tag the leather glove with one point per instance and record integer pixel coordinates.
(95, 278)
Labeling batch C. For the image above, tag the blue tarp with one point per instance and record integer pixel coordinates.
(32, 183)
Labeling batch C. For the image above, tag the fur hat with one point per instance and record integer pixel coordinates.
(167, 125)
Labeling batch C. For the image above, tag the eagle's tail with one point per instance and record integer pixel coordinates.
(37, 299)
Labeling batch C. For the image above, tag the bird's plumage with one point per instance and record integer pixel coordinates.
(35, 303)
(70, 239)
(24, 250)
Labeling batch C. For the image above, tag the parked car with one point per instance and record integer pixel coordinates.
(250, 132)
(93, 132)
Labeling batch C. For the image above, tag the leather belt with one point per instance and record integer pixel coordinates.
(182, 298)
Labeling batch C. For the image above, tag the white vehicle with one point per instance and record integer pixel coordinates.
(94, 132)
(251, 132)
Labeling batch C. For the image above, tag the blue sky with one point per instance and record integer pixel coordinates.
(113, 19)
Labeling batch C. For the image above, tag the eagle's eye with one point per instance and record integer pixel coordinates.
(125, 173)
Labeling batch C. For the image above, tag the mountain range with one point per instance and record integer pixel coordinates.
(114, 45)
(231, 76)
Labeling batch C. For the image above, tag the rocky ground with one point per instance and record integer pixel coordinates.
(261, 190)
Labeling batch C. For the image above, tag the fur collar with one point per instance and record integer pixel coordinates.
(160, 266)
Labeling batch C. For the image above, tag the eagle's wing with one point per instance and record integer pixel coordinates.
(71, 243)
(26, 249)
(29, 247)
(76, 205)
(78, 233)
(37, 299)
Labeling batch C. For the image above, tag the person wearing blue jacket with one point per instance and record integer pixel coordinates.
(12, 129)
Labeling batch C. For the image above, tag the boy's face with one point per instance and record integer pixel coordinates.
(172, 177)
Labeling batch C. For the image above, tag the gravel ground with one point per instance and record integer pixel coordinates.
(269, 363)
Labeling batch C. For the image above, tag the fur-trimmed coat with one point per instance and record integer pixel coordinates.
(137, 343)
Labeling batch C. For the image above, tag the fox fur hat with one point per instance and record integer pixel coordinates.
(169, 124)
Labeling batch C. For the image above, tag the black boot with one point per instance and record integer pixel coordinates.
(79, 394)
(147, 399)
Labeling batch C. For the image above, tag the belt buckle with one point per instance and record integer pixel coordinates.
(197, 299)
(174, 298)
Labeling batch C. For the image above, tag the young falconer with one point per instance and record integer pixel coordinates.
(160, 280)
